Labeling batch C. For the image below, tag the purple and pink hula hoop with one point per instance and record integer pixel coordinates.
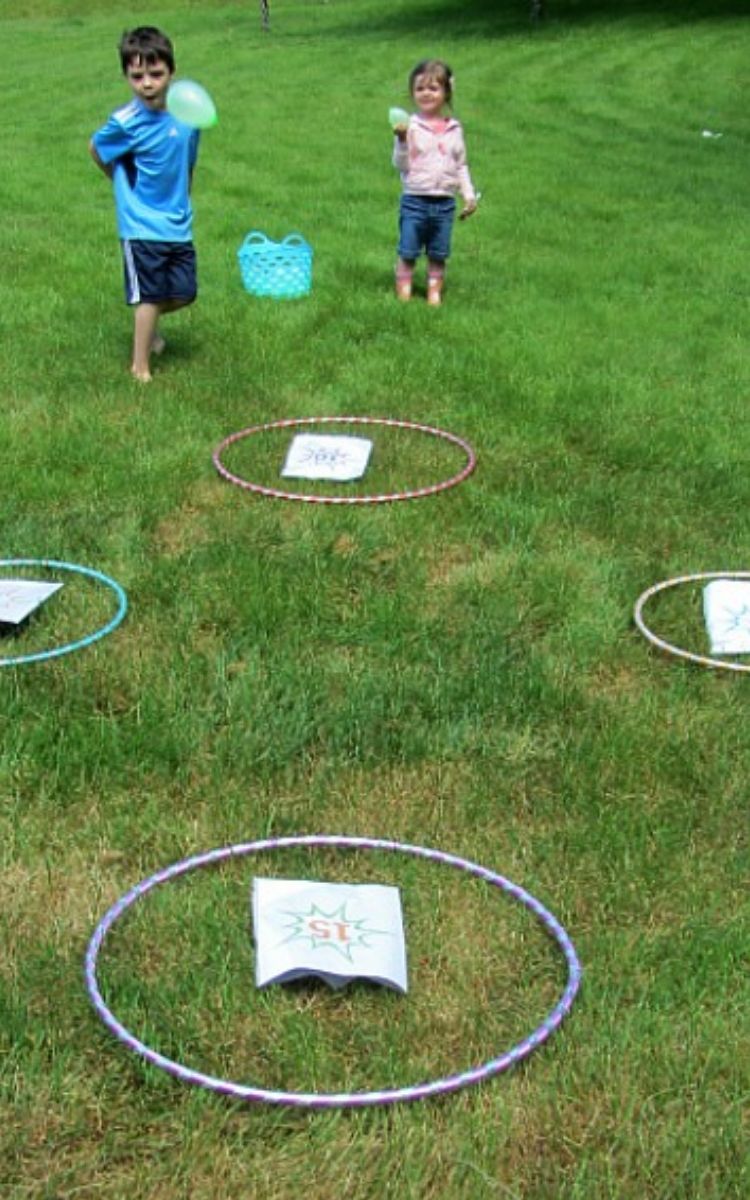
(325, 1100)
(309, 498)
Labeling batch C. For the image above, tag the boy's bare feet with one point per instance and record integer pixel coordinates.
(141, 376)
(158, 345)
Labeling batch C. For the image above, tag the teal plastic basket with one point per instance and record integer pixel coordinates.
(282, 270)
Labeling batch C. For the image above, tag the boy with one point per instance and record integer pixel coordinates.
(150, 156)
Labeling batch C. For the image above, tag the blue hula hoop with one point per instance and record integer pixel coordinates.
(69, 647)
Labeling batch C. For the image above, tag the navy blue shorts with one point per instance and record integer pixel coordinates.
(158, 271)
(426, 223)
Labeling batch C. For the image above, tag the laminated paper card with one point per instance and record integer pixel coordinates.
(726, 608)
(339, 458)
(20, 597)
(335, 931)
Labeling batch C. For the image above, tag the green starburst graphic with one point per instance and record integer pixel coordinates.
(336, 931)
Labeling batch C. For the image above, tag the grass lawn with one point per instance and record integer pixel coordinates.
(460, 671)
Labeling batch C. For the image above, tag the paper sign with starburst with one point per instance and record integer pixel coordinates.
(335, 931)
(20, 597)
(338, 457)
(726, 608)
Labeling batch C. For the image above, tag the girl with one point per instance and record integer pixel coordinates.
(429, 152)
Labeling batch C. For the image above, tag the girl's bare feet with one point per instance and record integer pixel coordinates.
(435, 292)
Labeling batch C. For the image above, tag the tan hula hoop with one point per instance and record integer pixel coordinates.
(702, 659)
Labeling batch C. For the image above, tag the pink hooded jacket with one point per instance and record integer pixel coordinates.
(433, 164)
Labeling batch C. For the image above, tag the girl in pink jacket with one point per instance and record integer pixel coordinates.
(430, 153)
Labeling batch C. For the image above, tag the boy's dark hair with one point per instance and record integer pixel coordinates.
(146, 44)
(436, 69)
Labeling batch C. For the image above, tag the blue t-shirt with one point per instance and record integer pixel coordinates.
(153, 155)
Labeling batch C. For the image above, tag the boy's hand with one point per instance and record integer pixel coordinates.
(470, 206)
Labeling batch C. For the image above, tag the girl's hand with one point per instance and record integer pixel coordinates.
(470, 206)
(400, 132)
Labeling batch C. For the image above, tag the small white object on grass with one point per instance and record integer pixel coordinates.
(19, 598)
(335, 931)
(337, 457)
(726, 608)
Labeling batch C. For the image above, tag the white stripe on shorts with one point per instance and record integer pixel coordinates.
(134, 289)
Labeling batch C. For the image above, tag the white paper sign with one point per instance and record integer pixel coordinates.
(324, 456)
(336, 931)
(726, 608)
(19, 598)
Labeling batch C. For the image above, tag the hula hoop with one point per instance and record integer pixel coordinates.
(69, 647)
(308, 498)
(703, 659)
(323, 1100)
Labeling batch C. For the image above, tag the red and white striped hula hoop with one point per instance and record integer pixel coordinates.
(308, 498)
(703, 660)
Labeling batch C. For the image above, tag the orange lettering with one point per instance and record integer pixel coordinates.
(320, 928)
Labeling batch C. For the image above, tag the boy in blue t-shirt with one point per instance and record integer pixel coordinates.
(149, 155)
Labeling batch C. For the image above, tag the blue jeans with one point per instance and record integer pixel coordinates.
(426, 223)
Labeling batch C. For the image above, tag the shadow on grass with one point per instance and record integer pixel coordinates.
(500, 18)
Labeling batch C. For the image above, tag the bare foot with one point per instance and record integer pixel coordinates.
(158, 345)
(141, 376)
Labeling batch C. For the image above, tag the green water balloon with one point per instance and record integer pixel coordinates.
(191, 104)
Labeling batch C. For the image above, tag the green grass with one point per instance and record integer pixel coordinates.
(462, 671)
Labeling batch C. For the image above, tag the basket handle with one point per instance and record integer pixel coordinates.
(294, 239)
(255, 238)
